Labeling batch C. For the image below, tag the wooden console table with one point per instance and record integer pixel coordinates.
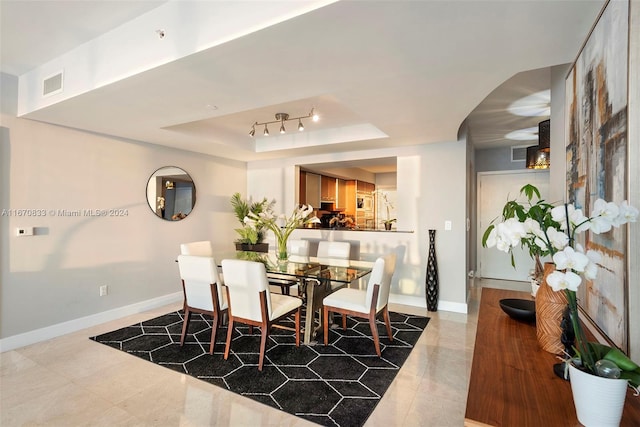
(512, 381)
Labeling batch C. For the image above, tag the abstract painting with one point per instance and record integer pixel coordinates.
(597, 137)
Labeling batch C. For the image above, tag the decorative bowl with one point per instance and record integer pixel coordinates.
(519, 309)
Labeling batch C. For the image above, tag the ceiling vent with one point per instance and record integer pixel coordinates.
(519, 153)
(52, 85)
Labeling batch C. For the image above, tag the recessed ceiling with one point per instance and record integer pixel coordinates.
(412, 78)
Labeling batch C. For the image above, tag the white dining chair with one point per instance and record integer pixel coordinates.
(201, 248)
(367, 303)
(202, 292)
(335, 250)
(298, 251)
(251, 303)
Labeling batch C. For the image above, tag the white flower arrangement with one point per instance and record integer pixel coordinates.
(549, 230)
(300, 216)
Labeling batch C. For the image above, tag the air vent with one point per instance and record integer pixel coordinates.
(519, 153)
(52, 85)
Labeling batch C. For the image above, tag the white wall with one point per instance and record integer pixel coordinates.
(431, 181)
(53, 277)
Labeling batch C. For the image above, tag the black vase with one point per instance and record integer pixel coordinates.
(432, 274)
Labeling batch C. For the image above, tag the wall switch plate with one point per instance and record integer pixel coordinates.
(24, 231)
(104, 290)
(447, 225)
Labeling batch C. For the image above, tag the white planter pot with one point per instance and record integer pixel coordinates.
(599, 401)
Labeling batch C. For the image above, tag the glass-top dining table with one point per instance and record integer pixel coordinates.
(317, 277)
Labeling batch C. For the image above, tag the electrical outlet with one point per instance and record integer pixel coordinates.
(447, 225)
(24, 231)
(104, 290)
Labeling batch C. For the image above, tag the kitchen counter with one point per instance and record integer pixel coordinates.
(379, 230)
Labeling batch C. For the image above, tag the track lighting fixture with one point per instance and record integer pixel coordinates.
(281, 118)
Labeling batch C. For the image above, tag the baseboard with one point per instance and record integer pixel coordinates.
(53, 331)
(455, 307)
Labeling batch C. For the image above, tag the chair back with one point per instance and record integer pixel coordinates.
(245, 280)
(381, 274)
(198, 273)
(298, 250)
(202, 248)
(338, 250)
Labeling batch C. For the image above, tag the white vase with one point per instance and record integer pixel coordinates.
(599, 401)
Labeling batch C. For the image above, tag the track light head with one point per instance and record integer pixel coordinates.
(266, 131)
(252, 132)
(282, 129)
(300, 126)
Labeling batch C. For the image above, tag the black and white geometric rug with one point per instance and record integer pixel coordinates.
(336, 385)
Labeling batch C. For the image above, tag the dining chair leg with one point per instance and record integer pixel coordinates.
(185, 325)
(229, 333)
(214, 329)
(298, 327)
(325, 324)
(374, 332)
(387, 322)
(263, 345)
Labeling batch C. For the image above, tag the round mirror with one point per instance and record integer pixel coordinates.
(171, 193)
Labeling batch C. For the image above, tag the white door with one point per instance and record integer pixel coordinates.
(494, 190)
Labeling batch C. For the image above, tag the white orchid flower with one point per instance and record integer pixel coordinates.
(627, 214)
(559, 281)
(559, 214)
(578, 220)
(604, 216)
(532, 227)
(570, 259)
(558, 239)
(510, 232)
(491, 238)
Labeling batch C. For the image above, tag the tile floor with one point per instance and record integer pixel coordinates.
(73, 381)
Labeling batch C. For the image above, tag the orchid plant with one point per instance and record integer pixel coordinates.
(388, 206)
(300, 216)
(551, 230)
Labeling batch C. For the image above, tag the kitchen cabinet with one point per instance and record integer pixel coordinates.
(328, 191)
(341, 199)
(312, 185)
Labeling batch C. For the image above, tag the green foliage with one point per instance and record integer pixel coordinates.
(242, 208)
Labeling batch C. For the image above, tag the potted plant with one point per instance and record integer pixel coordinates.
(251, 238)
(527, 213)
(389, 206)
(598, 372)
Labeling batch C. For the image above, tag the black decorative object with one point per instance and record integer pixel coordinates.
(567, 338)
(256, 247)
(432, 274)
(519, 309)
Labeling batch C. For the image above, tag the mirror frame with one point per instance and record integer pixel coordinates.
(162, 181)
